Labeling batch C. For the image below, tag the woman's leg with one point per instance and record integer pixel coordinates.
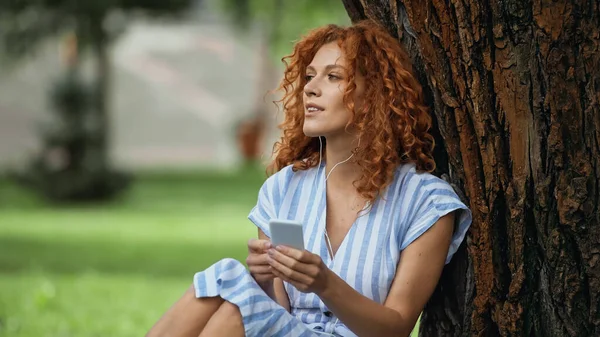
(226, 322)
(187, 317)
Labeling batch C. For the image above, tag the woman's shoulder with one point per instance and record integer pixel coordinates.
(407, 176)
(418, 189)
(286, 175)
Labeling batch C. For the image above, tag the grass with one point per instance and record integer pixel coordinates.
(112, 270)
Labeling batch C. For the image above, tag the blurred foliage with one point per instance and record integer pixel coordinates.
(74, 164)
(284, 21)
(26, 23)
(280, 22)
(68, 167)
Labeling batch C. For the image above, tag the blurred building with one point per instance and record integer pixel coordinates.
(178, 91)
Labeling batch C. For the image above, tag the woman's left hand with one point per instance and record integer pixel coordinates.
(303, 269)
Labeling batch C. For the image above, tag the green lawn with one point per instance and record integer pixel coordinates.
(112, 270)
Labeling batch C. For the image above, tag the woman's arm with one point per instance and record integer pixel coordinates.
(417, 274)
(275, 288)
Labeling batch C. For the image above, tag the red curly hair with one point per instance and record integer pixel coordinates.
(394, 123)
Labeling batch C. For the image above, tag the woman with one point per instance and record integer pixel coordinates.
(353, 166)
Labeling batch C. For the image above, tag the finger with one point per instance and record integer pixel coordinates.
(283, 277)
(257, 259)
(255, 244)
(258, 245)
(303, 256)
(290, 273)
(290, 262)
(263, 277)
(266, 245)
(297, 285)
(261, 269)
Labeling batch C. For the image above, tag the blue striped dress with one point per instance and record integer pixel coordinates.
(366, 259)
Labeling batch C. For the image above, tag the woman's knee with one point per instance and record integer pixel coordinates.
(227, 321)
(230, 309)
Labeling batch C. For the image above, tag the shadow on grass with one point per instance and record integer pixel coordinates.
(152, 259)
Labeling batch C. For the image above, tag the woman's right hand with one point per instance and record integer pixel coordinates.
(257, 261)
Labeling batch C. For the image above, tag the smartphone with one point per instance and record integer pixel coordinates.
(286, 232)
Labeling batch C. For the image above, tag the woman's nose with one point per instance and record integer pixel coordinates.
(311, 89)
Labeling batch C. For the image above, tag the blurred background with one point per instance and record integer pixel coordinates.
(133, 141)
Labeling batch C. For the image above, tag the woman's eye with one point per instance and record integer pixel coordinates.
(333, 77)
(308, 78)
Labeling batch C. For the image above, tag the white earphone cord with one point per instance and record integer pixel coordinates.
(334, 166)
(331, 333)
(327, 177)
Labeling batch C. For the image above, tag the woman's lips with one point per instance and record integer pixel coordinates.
(312, 109)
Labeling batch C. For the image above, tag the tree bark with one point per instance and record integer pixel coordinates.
(514, 85)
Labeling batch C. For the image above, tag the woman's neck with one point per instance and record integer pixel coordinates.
(344, 174)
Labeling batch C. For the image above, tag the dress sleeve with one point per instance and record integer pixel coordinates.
(434, 203)
(264, 210)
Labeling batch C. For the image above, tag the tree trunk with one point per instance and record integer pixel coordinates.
(515, 89)
(99, 43)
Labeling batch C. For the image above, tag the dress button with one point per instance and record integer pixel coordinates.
(328, 313)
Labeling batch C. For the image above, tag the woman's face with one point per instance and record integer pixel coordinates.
(325, 113)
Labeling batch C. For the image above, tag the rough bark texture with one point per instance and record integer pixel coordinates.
(515, 86)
